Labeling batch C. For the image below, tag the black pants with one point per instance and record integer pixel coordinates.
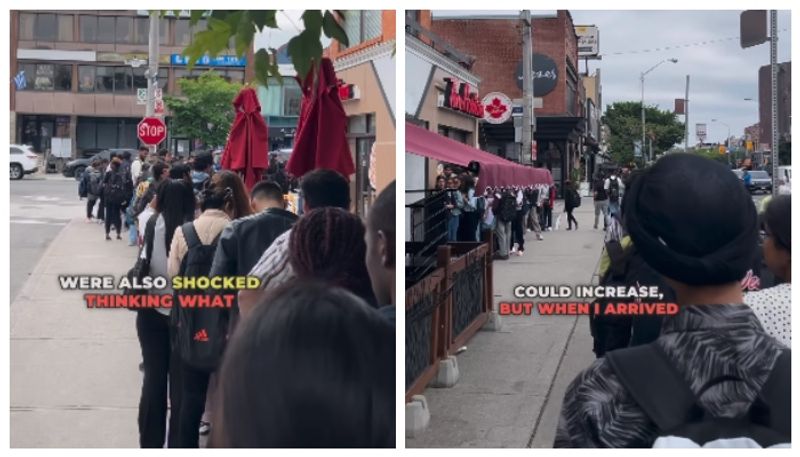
(468, 226)
(193, 403)
(518, 230)
(161, 368)
(113, 217)
(90, 207)
(571, 218)
(101, 208)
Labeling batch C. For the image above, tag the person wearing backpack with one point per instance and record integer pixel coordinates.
(92, 185)
(191, 255)
(572, 200)
(614, 189)
(174, 206)
(505, 210)
(115, 195)
(714, 377)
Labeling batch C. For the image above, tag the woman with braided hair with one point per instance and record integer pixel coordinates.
(327, 244)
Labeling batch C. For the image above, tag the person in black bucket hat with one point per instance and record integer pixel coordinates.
(692, 222)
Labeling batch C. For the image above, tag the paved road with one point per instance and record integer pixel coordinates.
(40, 209)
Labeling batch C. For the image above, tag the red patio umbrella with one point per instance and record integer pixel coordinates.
(246, 150)
(321, 139)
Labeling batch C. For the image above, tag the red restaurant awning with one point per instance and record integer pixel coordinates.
(495, 170)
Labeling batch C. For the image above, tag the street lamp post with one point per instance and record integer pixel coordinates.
(726, 125)
(641, 77)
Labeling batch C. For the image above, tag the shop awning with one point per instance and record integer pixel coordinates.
(495, 170)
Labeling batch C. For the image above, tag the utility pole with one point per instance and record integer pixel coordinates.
(152, 62)
(686, 118)
(528, 116)
(773, 60)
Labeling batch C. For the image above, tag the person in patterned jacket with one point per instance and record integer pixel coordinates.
(701, 236)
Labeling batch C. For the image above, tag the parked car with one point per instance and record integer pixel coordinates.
(759, 180)
(23, 161)
(74, 168)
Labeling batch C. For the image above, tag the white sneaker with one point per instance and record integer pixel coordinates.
(519, 253)
(539, 237)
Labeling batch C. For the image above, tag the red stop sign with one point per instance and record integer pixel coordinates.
(152, 131)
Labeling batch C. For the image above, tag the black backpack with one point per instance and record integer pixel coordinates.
(95, 183)
(508, 208)
(613, 190)
(667, 399)
(201, 333)
(115, 188)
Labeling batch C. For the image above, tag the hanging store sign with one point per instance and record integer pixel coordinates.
(588, 40)
(457, 96)
(497, 108)
(545, 75)
(207, 61)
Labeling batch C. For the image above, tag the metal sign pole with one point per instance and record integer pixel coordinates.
(152, 63)
(773, 57)
(527, 88)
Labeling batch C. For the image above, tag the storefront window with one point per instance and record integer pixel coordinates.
(139, 79)
(45, 28)
(163, 30)
(27, 22)
(163, 78)
(88, 29)
(86, 76)
(62, 77)
(104, 79)
(105, 29)
(44, 77)
(292, 97)
(123, 80)
(29, 70)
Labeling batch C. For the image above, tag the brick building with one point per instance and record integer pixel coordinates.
(558, 89)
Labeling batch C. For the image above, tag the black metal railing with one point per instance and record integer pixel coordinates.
(428, 225)
(468, 294)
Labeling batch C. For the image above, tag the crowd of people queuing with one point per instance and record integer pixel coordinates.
(308, 359)
(716, 374)
(511, 211)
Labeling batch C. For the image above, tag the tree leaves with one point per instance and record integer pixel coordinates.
(624, 122)
(205, 111)
(305, 50)
(333, 29)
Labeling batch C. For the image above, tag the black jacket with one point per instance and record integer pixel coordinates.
(244, 240)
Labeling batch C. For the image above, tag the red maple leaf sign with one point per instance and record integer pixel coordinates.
(496, 109)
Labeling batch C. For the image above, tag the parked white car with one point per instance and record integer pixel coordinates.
(23, 161)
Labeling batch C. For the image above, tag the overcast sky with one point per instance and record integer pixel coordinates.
(289, 25)
(721, 73)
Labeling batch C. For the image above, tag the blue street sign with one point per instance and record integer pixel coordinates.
(206, 61)
(20, 80)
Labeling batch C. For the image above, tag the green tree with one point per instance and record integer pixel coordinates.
(625, 124)
(305, 48)
(205, 111)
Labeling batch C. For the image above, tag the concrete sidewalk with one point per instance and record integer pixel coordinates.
(513, 381)
(74, 371)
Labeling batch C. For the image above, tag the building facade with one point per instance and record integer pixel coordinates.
(495, 45)
(75, 76)
(366, 70)
(437, 74)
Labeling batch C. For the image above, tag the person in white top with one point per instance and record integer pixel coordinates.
(136, 165)
(614, 189)
(773, 306)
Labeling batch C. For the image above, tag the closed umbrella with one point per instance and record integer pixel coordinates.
(246, 149)
(321, 139)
